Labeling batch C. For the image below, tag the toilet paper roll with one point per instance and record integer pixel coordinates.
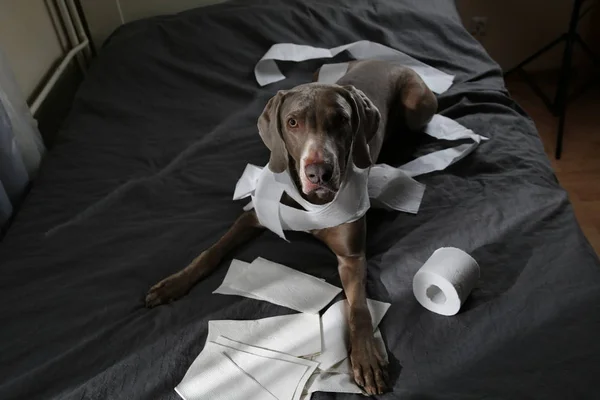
(445, 280)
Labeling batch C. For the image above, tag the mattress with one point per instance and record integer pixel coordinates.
(141, 181)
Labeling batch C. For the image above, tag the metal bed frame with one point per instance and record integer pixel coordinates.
(80, 48)
(83, 33)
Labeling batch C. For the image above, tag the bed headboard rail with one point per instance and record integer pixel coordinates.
(79, 48)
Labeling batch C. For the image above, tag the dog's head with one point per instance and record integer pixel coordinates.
(312, 130)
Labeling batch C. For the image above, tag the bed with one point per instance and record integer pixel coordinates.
(141, 179)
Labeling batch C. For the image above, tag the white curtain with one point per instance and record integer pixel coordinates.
(21, 145)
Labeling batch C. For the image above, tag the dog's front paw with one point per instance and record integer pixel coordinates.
(167, 290)
(369, 367)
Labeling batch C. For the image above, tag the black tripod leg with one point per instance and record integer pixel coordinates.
(587, 49)
(535, 55)
(565, 73)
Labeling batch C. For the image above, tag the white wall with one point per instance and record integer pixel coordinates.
(30, 41)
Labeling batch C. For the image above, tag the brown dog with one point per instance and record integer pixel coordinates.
(310, 129)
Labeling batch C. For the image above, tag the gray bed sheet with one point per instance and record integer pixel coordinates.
(141, 181)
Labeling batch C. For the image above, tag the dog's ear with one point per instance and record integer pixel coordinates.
(270, 132)
(365, 122)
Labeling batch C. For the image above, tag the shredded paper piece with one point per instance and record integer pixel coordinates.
(278, 284)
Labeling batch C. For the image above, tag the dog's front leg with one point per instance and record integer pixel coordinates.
(245, 228)
(347, 241)
(367, 364)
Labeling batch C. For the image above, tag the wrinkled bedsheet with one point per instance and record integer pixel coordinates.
(141, 181)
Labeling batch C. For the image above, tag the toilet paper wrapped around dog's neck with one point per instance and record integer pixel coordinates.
(266, 188)
(388, 187)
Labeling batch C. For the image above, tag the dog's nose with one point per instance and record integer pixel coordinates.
(319, 173)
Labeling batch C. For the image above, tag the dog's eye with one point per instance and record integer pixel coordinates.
(292, 123)
(344, 119)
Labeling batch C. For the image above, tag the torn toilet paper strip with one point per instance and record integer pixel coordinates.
(278, 284)
(392, 188)
(443, 128)
(343, 367)
(332, 382)
(282, 375)
(266, 70)
(296, 334)
(214, 376)
(227, 284)
(335, 331)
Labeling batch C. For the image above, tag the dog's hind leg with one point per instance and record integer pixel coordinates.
(416, 101)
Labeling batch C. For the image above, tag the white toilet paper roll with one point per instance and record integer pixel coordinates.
(445, 280)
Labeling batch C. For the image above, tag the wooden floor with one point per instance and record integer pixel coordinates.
(579, 168)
